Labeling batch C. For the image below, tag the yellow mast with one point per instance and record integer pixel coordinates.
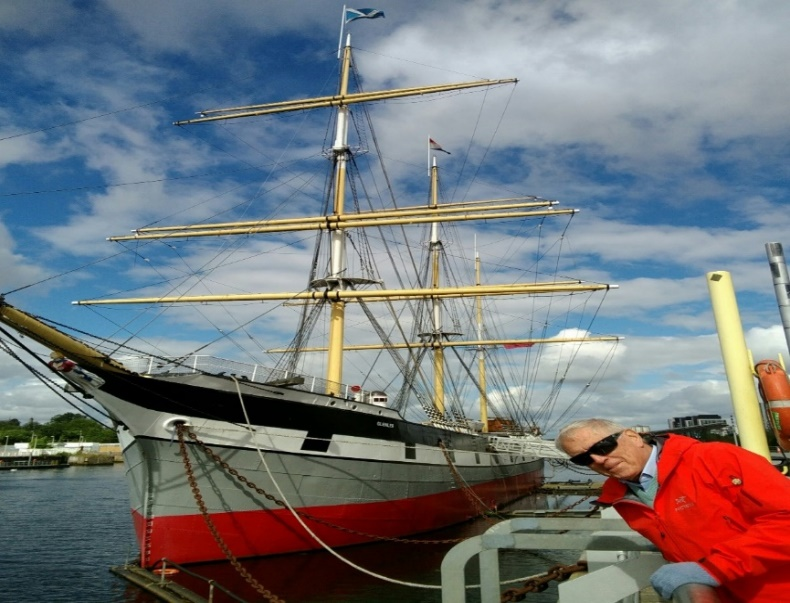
(481, 351)
(437, 332)
(337, 320)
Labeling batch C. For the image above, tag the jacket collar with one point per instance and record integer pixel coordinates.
(671, 448)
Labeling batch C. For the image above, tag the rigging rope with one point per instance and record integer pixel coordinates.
(49, 383)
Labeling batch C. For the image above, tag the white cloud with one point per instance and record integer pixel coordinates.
(664, 122)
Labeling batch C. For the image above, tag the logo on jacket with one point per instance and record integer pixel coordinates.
(682, 504)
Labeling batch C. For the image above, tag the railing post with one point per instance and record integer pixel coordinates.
(490, 588)
(453, 569)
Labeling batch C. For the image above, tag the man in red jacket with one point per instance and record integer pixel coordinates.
(720, 514)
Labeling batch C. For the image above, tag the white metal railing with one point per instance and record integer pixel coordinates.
(614, 582)
(199, 363)
(527, 445)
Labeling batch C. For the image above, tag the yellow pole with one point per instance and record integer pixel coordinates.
(481, 351)
(737, 364)
(436, 304)
(334, 368)
(438, 379)
(337, 268)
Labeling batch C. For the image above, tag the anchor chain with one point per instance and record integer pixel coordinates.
(559, 512)
(478, 505)
(538, 584)
(265, 592)
(251, 485)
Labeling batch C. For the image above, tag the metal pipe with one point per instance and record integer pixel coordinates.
(776, 258)
(737, 364)
(695, 593)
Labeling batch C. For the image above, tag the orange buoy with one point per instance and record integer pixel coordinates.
(775, 391)
(167, 571)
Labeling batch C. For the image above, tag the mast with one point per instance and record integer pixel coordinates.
(338, 260)
(481, 351)
(436, 335)
(776, 258)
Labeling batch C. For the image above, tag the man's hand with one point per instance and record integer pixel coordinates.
(668, 577)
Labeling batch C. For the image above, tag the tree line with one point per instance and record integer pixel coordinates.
(68, 427)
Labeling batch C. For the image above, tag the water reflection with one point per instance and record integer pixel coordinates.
(320, 576)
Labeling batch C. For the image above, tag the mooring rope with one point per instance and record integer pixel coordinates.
(298, 515)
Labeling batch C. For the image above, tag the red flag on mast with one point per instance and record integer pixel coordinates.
(435, 146)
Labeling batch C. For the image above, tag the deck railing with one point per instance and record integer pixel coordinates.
(199, 363)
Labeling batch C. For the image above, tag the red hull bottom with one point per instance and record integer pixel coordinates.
(187, 539)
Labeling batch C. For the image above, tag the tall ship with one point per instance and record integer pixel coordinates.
(406, 398)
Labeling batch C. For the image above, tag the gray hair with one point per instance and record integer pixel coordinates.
(602, 425)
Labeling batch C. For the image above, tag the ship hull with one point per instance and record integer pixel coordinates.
(252, 526)
(220, 465)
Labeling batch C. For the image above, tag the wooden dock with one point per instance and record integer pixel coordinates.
(157, 585)
(161, 583)
(17, 463)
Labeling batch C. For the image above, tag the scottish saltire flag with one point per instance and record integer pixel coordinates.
(435, 146)
(363, 13)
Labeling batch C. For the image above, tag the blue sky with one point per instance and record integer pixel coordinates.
(666, 124)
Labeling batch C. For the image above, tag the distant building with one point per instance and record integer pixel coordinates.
(687, 425)
(695, 421)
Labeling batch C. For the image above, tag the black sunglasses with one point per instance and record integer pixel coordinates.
(601, 448)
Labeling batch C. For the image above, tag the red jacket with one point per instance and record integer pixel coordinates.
(721, 506)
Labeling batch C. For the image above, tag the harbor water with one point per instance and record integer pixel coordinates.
(61, 530)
